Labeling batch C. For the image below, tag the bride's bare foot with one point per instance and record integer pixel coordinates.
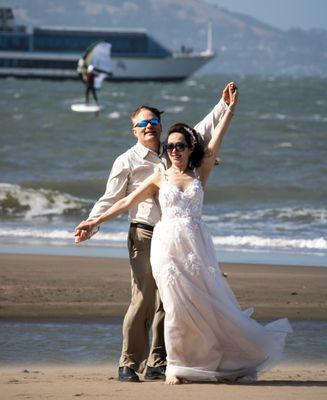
(172, 380)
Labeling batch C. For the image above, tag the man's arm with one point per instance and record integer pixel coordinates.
(115, 190)
(207, 126)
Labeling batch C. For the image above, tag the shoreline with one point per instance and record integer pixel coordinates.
(262, 257)
(69, 287)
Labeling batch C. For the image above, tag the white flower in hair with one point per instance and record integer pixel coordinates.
(190, 132)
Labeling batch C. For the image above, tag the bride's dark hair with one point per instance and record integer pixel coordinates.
(193, 140)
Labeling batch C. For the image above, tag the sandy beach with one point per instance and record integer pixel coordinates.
(60, 286)
(40, 382)
(45, 287)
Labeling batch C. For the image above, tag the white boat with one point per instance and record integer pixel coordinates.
(53, 53)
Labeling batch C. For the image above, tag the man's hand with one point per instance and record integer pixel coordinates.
(85, 230)
(81, 235)
(231, 86)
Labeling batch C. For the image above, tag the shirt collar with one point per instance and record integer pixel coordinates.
(143, 151)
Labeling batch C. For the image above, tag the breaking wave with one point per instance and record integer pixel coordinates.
(25, 203)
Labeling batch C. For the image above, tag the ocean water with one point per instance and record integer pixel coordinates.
(267, 198)
(98, 341)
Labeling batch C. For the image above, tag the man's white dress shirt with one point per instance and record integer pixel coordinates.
(132, 167)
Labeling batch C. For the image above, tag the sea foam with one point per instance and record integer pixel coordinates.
(29, 203)
(267, 242)
(224, 242)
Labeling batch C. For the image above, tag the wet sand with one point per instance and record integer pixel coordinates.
(64, 286)
(46, 287)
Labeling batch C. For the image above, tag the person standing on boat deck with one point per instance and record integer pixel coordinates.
(128, 172)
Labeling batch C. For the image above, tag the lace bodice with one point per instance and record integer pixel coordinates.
(176, 203)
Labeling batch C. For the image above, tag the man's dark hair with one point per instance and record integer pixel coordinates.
(154, 111)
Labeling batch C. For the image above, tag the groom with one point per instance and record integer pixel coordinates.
(128, 171)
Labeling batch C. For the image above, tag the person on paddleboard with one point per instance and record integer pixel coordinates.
(89, 82)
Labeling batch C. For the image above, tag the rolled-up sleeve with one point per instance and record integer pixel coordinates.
(206, 127)
(115, 189)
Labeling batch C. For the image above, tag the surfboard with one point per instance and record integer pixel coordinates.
(85, 108)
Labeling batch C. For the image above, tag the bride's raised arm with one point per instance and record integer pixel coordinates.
(217, 137)
(148, 189)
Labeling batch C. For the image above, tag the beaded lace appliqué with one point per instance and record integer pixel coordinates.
(192, 264)
(178, 204)
(172, 273)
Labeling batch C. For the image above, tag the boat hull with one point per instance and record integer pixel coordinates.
(63, 66)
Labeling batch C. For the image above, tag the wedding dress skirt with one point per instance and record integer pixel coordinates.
(207, 335)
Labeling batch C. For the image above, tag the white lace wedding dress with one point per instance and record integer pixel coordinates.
(207, 335)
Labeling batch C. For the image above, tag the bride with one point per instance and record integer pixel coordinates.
(207, 335)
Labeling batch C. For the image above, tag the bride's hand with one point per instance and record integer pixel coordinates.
(84, 230)
(81, 235)
(226, 95)
(233, 95)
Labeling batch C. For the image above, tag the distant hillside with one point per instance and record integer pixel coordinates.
(243, 44)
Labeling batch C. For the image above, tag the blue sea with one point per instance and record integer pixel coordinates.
(265, 202)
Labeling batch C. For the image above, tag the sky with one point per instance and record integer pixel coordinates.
(283, 14)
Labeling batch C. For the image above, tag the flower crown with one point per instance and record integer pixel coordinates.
(191, 133)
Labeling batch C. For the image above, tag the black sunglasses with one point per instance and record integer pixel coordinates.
(179, 146)
(145, 122)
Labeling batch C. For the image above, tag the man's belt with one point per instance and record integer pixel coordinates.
(142, 226)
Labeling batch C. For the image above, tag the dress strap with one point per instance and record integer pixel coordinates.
(196, 173)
